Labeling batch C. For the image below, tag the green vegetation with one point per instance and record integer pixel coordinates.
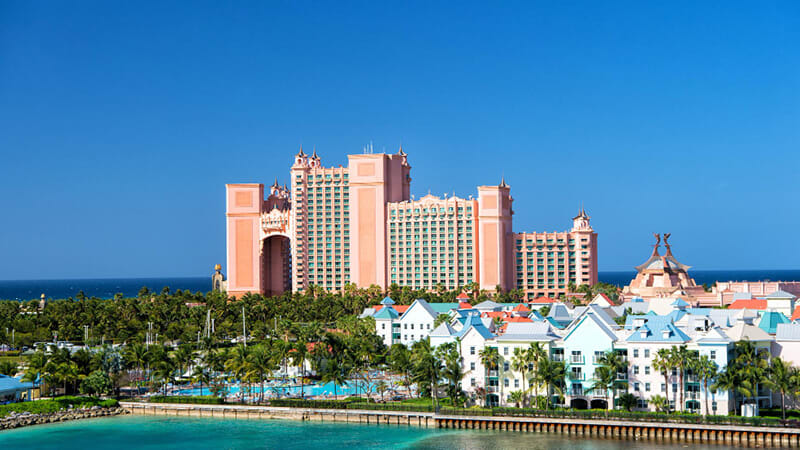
(54, 405)
(196, 400)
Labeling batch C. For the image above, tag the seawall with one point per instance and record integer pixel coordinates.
(24, 420)
(653, 431)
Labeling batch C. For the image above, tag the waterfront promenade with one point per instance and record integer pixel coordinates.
(594, 428)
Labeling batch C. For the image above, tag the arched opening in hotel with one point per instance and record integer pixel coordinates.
(276, 265)
(599, 403)
(579, 403)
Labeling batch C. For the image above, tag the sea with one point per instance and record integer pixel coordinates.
(164, 432)
(129, 287)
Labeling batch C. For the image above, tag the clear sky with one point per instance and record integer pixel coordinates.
(120, 122)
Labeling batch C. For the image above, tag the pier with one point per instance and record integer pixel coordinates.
(746, 436)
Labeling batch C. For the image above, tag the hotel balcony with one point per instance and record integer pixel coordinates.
(576, 359)
(492, 388)
(692, 395)
(576, 376)
(557, 358)
(492, 374)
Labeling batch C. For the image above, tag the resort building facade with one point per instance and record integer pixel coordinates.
(359, 224)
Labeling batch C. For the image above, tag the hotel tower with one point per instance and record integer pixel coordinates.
(358, 224)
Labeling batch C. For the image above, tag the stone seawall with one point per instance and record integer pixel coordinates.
(594, 429)
(24, 419)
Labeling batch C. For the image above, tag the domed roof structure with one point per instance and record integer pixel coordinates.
(661, 275)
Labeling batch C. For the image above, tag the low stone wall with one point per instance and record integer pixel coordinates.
(26, 419)
(589, 428)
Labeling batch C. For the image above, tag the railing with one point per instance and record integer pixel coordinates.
(576, 376)
(557, 358)
(493, 373)
(576, 359)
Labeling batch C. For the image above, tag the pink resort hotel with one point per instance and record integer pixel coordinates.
(358, 224)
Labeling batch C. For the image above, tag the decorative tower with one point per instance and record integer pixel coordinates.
(495, 237)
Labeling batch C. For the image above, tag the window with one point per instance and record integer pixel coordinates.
(674, 387)
(636, 353)
(472, 366)
(383, 326)
(505, 382)
(647, 370)
(472, 350)
(505, 350)
(647, 353)
(663, 387)
(636, 371)
(647, 387)
(516, 383)
(472, 381)
(505, 366)
(713, 354)
(636, 387)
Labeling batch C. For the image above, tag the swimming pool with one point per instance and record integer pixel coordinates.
(308, 389)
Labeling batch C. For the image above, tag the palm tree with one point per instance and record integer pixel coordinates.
(400, 362)
(520, 363)
(382, 387)
(551, 374)
(183, 358)
(706, 370)
(783, 378)
(729, 381)
(516, 397)
(299, 355)
(490, 358)
(681, 360)
(663, 363)
(605, 378)
(37, 363)
(260, 362)
(238, 364)
(452, 370)
(427, 367)
(615, 365)
(660, 402)
(136, 354)
(535, 354)
(751, 366)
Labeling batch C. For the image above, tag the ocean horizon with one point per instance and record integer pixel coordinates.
(106, 288)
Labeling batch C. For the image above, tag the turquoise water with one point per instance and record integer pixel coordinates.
(156, 432)
(308, 390)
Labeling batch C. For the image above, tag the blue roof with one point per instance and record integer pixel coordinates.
(535, 316)
(655, 329)
(387, 312)
(9, 384)
(770, 321)
(474, 321)
(442, 308)
(679, 302)
(387, 301)
(554, 323)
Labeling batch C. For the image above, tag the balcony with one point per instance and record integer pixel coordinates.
(692, 395)
(491, 389)
(576, 376)
(492, 374)
(576, 359)
(557, 358)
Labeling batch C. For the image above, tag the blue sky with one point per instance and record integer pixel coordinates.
(120, 122)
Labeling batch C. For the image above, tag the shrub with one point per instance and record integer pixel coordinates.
(195, 400)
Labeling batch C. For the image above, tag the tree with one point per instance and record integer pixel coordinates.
(238, 364)
(660, 402)
(299, 355)
(490, 358)
(452, 371)
(260, 362)
(782, 378)
(427, 368)
(607, 374)
(681, 359)
(97, 382)
(535, 354)
(520, 363)
(37, 364)
(551, 374)
(628, 401)
(516, 397)
(706, 370)
(440, 319)
(400, 362)
(663, 363)
(381, 388)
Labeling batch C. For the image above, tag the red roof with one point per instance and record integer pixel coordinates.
(755, 303)
(543, 300)
(464, 305)
(462, 296)
(607, 299)
(399, 308)
(521, 308)
(493, 314)
(519, 319)
(796, 313)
